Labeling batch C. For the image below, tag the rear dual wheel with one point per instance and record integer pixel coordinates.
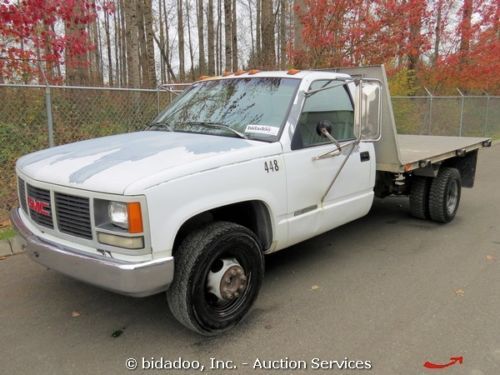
(436, 198)
(444, 195)
(218, 274)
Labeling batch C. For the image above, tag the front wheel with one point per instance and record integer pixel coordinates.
(218, 274)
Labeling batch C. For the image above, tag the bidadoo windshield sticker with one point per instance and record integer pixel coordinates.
(262, 129)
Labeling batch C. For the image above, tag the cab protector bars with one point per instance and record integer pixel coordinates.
(343, 82)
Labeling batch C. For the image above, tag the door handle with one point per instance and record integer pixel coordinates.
(364, 156)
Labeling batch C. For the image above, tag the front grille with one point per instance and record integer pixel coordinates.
(39, 206)
(22, 194)
(73, 215)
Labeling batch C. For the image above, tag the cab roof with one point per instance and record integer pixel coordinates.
(298, 74)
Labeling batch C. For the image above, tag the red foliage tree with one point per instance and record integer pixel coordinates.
(363, 32)
(32, 44)
(400, 34)
(472, 46)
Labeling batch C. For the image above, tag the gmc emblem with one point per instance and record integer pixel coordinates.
(38, 206)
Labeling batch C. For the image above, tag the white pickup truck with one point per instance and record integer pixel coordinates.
(235, 168)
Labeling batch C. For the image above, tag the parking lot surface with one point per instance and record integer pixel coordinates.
(388, 289)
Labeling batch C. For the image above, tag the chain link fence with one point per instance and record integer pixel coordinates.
(36, 117)
(469, 116)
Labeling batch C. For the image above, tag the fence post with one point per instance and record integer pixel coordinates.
(485, 132)
(158, 100)
(429, 129)
(461, 113)
(48, 107)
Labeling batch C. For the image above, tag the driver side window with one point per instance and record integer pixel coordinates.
(333, 105)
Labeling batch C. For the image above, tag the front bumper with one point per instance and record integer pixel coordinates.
(133, 279)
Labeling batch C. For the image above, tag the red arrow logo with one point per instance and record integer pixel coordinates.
(453, 360)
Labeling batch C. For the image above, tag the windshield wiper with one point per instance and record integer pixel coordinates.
(159, 126)
(217, 125)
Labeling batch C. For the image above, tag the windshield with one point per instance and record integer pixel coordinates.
(254, 107)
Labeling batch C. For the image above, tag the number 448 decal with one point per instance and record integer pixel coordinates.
(271, 166)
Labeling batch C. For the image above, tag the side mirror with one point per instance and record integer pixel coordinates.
(368, 110)
(324, 128)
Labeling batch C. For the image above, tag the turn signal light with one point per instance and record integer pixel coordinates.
(134, 217)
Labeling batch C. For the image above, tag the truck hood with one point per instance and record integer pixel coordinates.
(113, 164)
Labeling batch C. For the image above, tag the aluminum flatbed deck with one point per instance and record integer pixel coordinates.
(415, 149)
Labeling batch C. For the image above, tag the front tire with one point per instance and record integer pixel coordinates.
(218, 273)
(444, 195)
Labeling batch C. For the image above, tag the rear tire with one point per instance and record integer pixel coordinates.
(444, 196)
(419, 197)
(200, 297)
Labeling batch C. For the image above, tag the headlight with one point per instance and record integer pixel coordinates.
(118, 214)
(126, 215)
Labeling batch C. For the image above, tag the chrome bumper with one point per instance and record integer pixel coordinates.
(133, 279)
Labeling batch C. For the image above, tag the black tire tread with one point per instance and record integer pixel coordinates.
(437, 193)
(419, 197)
(186, 257)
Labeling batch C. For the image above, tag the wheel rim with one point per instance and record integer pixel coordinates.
(452, 197)
(226, 280)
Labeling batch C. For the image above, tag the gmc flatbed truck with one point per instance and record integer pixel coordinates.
(235, 168)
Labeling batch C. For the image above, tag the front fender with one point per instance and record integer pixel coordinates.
(173, 203)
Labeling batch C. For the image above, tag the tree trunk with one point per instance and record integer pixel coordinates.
(101, 55)
(190, 43)
(163, 76)
(234, 43)
(227, 33)
(201, 40)
(108, 48)
(283, 15)
(218, 49)
(123, 52)
(465, 30)
(131, 35)
(437, 31)
(180, 32)
(298, 42)
(144, 76)
(168, 51)
(150, 48)
(211, 41)
(117, 46)
(76, 72)
(166, 58)
(415, 27)
(95, 66)
(258, 28)
(252, 39)
(268, 56)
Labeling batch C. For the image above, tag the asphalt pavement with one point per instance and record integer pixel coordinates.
(388, 290)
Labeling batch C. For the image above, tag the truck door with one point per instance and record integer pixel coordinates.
(312, 207)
